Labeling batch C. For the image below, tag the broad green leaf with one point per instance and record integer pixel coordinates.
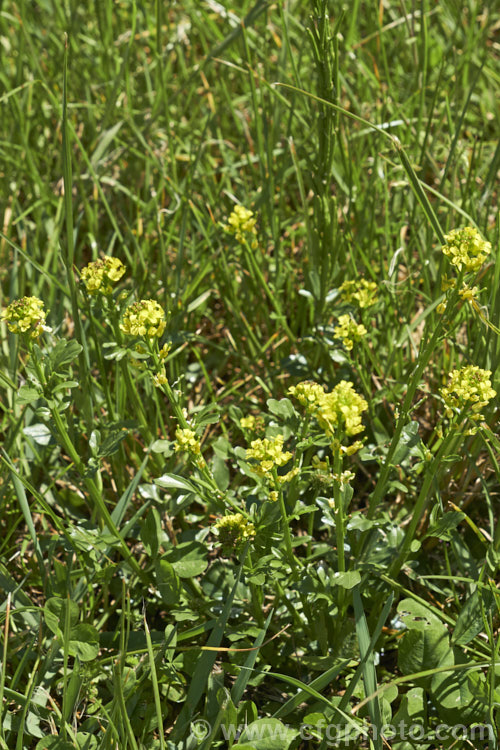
(409, 444)
(283, 408)
(84, 642)
(426, 642)
(27, 394)
(39, 433)
(454, 700)
(64, 352)
(188, 559)
(267, 734)
(54, 614)
(168, 582)
(86, 741)
(413, 708)
(470, 620)
(172, 481)
(346, 580)
(54, 743)
(151, 532)
(443, 527)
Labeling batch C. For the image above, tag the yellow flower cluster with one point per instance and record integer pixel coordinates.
(466, 248)
(144, 318)
(234, 529)
(269, 453)
(160, 378)
(361, 292)
(469, 386)
(241, 223)
(308, 393)
(248, 423)
(26, 315)
(341, 409)
(349, 331)
(100, 275)
(469, 294)
(187, 440)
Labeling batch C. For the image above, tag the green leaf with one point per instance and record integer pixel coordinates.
(220, 472)
(27, 394)
(39, 433)
(413, 708)
(64, 352)
(409, 444)
(54, 743)
(54, 614)
(163, 446)
(443, 528)
(172, 481)
(151, 532)
(426, 642)
(346, 580)
(188, 559)
(86, 741)
(84, 642)
(168, 582)
(470, 620)
(266, 734)
(73, 689)
(454, 700)
(111, 443)
(283, 408)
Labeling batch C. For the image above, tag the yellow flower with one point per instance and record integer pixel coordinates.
(241, 223)
(341, 409)
(269, 453)
(308, 393)
(234, 530)
(447, 283)
(144, 318)
(349, 331)
(440, 309)
(99, 276)
(468, 387)
(187, 440)
(468, 293)
(466, 248)
(26, 315)
(165, 351)
(361, 292)
(160, 379)
(284, 478)
(248, 423)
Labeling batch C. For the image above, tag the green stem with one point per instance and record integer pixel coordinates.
(339, 511)
(286, 527)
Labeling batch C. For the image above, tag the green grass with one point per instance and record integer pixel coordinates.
(359, 139)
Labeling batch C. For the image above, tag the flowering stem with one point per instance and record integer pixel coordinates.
(339, 511)
(256, 593)
(286, 527)
(130, 385)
